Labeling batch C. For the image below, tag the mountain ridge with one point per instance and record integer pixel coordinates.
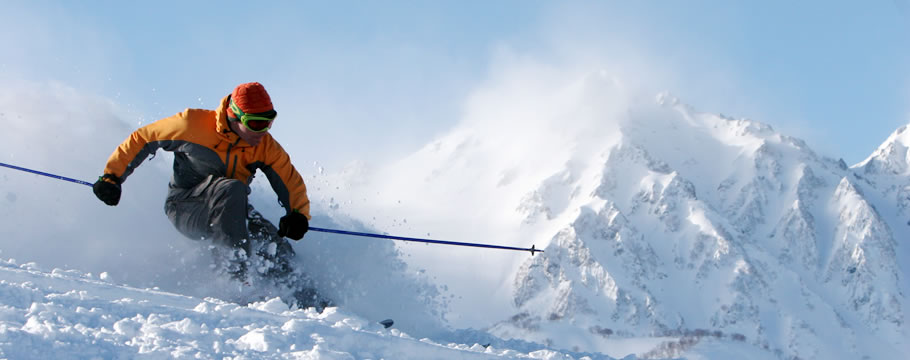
(735, 234)
(658, 221)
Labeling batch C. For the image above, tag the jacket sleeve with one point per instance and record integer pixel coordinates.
(139, 145)
(285, 180)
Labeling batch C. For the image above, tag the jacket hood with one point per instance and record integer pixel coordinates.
(221, 121)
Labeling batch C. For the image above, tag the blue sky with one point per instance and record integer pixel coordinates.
(376, 80)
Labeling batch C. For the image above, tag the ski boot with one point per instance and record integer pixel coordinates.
(275, 251)
(231, 261)
(277, 254)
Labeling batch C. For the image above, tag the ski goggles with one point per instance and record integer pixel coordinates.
(253, 122)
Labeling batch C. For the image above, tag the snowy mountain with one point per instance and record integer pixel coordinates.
(661, 222)
(892, 157)
(730, 231)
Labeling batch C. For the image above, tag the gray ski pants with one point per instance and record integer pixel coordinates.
(215, 209)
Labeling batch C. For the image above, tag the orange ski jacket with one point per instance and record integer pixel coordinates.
(203, 145)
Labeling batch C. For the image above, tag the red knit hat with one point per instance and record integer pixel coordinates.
(251, 98)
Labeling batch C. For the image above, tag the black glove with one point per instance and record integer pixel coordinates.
(107, 189)
(293, 225)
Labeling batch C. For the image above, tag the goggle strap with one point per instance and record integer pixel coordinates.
(236, 109)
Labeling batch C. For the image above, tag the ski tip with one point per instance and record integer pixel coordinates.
(387, 323)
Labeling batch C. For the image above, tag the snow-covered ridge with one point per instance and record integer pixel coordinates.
(662, 221)
(705, 223)
(892, 156)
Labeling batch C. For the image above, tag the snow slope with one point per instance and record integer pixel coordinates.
(65, 314)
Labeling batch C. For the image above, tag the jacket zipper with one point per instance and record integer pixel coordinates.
(235, 167)
(227, 158)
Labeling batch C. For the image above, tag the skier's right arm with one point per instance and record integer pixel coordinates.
(130, 154)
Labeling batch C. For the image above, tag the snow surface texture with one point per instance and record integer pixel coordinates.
(64, 314)
(667, 233)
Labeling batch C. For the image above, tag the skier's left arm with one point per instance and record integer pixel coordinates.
(285, 180)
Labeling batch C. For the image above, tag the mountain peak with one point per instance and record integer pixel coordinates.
(725, 206)
(892, 157)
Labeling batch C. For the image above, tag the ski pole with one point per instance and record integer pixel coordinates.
(46, 174)
(532, 249)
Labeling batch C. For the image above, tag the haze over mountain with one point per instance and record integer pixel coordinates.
(657, 221)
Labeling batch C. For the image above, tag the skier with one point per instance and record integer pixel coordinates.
(216, 154)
